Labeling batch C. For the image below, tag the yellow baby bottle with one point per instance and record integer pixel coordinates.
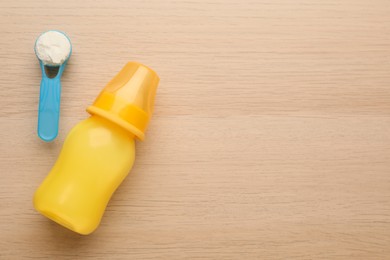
(99, 152)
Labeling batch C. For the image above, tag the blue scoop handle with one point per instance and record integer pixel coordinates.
(49, 104)
(49, 108)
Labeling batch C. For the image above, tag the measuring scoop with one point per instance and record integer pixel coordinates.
(53, 49)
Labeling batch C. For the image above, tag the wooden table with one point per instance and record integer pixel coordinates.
(270, 138)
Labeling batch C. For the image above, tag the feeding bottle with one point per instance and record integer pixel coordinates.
(99, 152)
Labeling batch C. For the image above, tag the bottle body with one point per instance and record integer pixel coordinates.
(96, 157)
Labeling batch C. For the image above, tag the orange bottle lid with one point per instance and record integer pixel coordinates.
(128, 99)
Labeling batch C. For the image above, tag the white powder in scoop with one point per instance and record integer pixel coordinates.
(52, 48)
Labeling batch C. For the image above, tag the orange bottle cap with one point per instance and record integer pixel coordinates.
(128, 98)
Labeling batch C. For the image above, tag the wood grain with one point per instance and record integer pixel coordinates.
(270, 138)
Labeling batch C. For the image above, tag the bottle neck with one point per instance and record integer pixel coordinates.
(112, 125)
(114, 117)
